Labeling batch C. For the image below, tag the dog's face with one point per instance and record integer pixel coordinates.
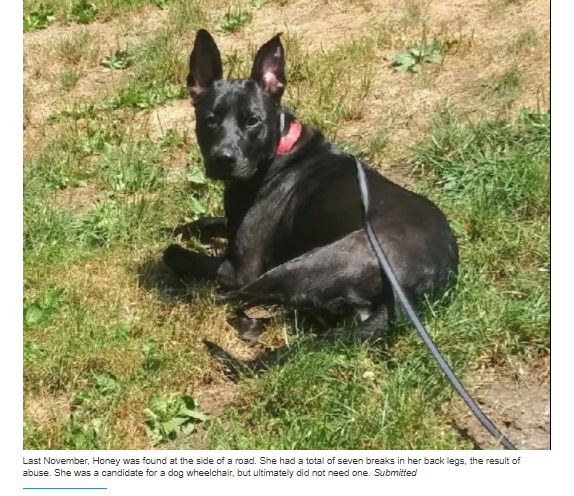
(237, 121)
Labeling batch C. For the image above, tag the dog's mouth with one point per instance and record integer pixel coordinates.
(223, 171)
(217, 174)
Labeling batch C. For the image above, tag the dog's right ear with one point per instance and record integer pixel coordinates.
(204, 65)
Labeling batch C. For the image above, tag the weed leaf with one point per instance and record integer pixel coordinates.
(39, 19)
(84, 12)
(233, 22)
(120, 59)
(170, 416)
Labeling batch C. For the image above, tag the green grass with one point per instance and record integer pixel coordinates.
(77, 48)
(183, 15)
(156, 76)
(159, 59)
(503, 87)
(332, 396)
(330, 87)
(526, 39)
(83, 12)
(500, 167)
(68, 79)
(186, 16)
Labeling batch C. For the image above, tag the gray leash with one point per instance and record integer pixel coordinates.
(414, 318)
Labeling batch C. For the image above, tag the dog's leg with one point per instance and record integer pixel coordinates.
(378, 323)
(188, 264)
(339, 278)
(203, 229)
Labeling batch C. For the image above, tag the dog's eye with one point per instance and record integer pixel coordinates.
(210, 120)
(252, 121)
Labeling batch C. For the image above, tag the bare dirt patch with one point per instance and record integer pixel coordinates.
(177, 115)
(45, 60)
(517, 400)
(45, 409)
(76, 198)
(214, 399)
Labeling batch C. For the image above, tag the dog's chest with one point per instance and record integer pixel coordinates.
(254, 246)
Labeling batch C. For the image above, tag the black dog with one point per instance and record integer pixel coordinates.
(292, 206)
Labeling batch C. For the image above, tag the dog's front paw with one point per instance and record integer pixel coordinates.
(249, 329)
(182, 262)
(174, 256)
(186, 263)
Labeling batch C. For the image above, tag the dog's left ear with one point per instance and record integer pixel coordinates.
(269, 68)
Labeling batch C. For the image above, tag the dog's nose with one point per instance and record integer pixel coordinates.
(224, 157)
(222, 163)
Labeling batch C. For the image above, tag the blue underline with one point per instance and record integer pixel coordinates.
(64, 488)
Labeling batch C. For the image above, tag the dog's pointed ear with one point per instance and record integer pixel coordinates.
(204, 65)
(269, 68)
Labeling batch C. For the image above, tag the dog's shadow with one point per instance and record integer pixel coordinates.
(234, 368)
(155, 275)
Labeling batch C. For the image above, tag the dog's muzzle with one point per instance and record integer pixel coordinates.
(227, 166)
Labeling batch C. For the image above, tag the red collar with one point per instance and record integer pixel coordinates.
(287, 141)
